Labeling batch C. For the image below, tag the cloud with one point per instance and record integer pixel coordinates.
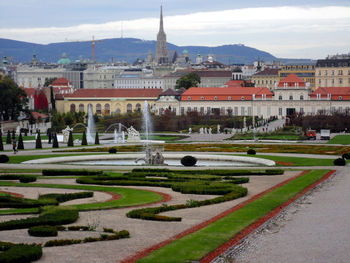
(263, 24)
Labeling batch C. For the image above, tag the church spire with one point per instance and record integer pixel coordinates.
(161, 48)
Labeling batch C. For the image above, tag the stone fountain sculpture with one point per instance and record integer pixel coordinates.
(133, 135)
(65, 133)
(152, 157)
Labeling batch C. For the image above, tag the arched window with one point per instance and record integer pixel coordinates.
(118, 111)
(72, 107)
(242, 98)
(81, 107)
(98, 108)
(107, 109)
(215, 98)
(138, 107)
(188, 98)
(129, 108)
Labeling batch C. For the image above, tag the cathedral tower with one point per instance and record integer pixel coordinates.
(161, 49)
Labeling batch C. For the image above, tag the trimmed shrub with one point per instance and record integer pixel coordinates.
(55, 141)
(1, 143)
(70, 140)
(188, 160)
(27, 179)
(43, 231)
(112, 150)
(339, 162)
(38, 144)
(251, 152)
(83, 139)
(20, 253)
(62, 242)
(20, 145)
(346, 156)
(97, 140)
(8, 138)
(67, 197)
(10, 201)
(4, 158)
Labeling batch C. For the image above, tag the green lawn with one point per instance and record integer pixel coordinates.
(195, 246)
(23, 158)
(340, 139)
(128, 197)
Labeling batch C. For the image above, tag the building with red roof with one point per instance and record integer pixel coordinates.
(107, 101)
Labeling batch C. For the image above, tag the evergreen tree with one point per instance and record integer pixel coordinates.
(13, 134)
(20, 142)
(70, 140)
(1, 144)
(83, 140)
(97, 140)
(38, 144)
(8, 138)
(55, 141)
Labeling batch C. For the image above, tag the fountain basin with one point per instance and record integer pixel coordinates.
(129, 159)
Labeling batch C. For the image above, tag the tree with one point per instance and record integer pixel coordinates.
(55, 141)
(13, 134)
(70, 140)
(49, 81)
(1, 144)
(20, 145)
(38, 144)
(8, 138)
(190, 80)
(97, 140)
(13, 99)
(83, 140)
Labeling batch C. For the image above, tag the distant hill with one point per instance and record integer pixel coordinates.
(127, 49)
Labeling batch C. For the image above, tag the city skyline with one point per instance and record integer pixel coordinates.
(290, 30)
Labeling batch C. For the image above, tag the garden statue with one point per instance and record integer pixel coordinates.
(65, 133)
(133, 135)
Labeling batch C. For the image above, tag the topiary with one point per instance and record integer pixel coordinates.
(346, 156)
(97, 140)
(1, 144)
(83, 140)
(339, 162)
(55, 141)
(38, 144)
(251, 151)
(4, 158)
(43, 231)
(188, 160)
(70, 140)
(27, 179)
(8, 138)
(112, 150)
(20, 142)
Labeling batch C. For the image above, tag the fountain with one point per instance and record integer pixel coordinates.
(90, 131)
(152, 157)
(115, 136)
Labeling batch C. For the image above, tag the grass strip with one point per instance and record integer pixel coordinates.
(23, 158)
(128, 197)
(195, 246)
(340, 139)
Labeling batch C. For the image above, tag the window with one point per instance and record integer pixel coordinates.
(129, 108)
(340, 98)
(250, 111)
(264, 96)
(318, 95)
(319, 73)
(182, 110)
(301, 97)
(215, 98)
(188, 109)
(340, 80)
(329, 96)
(107, 109)
(280, 97)
(208, 110)
(201, 110)
(242, 111)
(72, 107)
(229, 98)
(98, 108)
(236, 111)
(301, 110)
(202, 98)
(81, 107)
(188, 98)
(333, 72)
(319, 81)
(332, 81)
(340, 72)
(138, 107)
(325, 73)
(290, 97)
(195, 109)
(242, 98)
(280, 111)
(118, 111)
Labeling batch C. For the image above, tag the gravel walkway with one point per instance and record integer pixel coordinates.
(143, 233)
(314, 229)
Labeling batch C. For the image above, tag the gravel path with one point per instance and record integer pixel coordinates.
(314, 229)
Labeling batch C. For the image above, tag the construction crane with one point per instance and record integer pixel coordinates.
(93, 43)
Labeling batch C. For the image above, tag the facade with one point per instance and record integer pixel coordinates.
(107, 101)
(209, 78)
(291, 95)
(137, 79)
(305, 72)
(161, 48)
(29, 77)
(98, 78)
(266, 78)
(334, 71)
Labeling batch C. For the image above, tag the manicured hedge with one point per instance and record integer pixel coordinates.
(4, 158)
(112, 150)
(10, 201)
(19, 253)
(54, 172)
(52, 217)
(21, 178)
(339, 162)
(188, 160)
(251, 152)
(67, 196)
(42, 231)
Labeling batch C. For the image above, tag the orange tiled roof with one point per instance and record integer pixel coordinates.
(291, 79)
(234, 83)
(115, 93)
(60, 82)
(335, 93)
(267, 72)
(235, 93)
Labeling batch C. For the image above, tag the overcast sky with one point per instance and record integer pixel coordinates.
(290, 29)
